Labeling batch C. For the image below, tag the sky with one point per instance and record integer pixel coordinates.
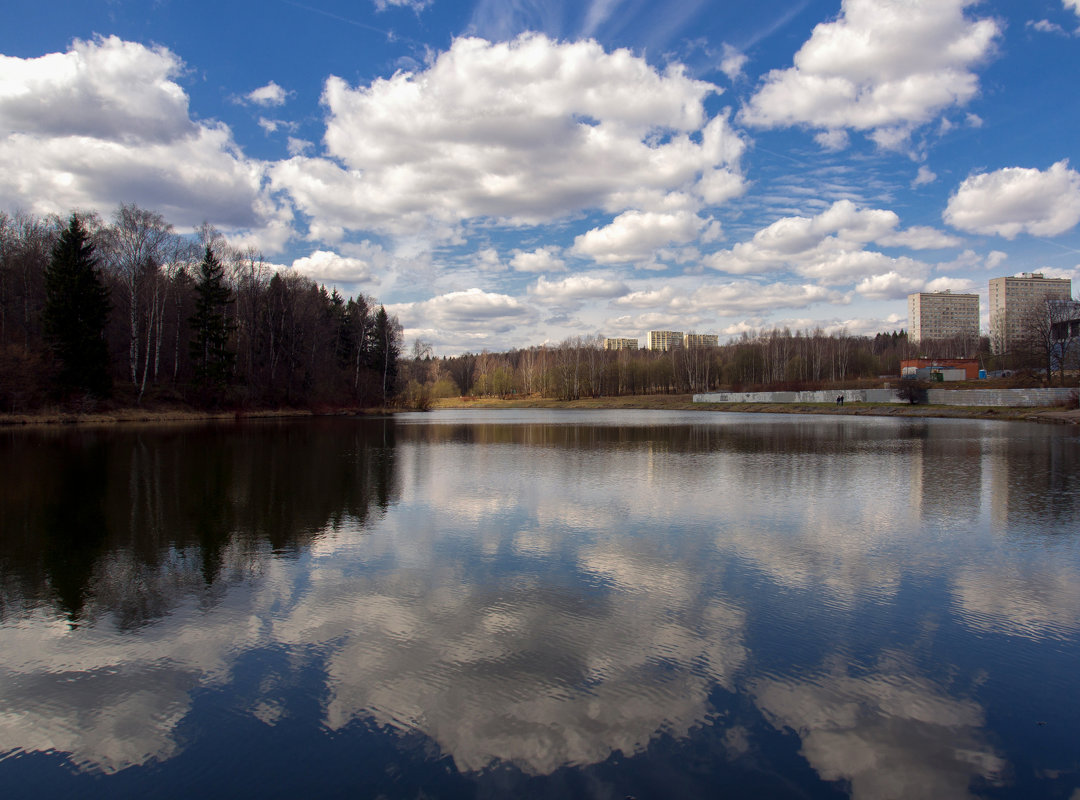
(511, 173)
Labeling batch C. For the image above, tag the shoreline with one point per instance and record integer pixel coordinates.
(135, 416)
(1051, 415)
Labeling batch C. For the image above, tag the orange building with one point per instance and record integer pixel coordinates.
(969, 365)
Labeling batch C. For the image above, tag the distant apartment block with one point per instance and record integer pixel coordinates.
(701, 340)
(664, 340)
(1012, 301)
(942, 315)
(620, 344)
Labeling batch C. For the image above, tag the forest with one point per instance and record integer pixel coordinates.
(580, 367)
(126, 311)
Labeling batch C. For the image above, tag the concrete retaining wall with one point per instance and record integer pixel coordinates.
(999, 397)
(1017, 398)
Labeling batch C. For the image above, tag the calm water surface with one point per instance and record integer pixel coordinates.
(542, 604)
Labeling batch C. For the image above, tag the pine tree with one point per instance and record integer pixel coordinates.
(210, 326)
(76, 312)
(387, 348)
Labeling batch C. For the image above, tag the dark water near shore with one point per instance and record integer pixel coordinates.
(542, 604)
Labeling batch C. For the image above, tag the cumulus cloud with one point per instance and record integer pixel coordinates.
(739, 297)
(465, 310)
(833, 140)
(830, 247)
(105, 123)
(329, 267)
(269, 95)
(487, 260)
(578, 287)
(920, 237)
(524, 131)
(635, 235)
(889, 286)
(924, 176)
(732, 62)
(542, 259)
(1073, 4)
(883, 66)
(1017, 200)
(106, 89)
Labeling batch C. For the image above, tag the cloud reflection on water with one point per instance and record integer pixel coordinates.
(526, 601)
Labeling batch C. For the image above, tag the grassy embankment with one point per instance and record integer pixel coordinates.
(685, 402)
(678, 402)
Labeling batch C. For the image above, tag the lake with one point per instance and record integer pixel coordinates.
(541, 604)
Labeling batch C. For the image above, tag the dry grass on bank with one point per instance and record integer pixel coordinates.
(684, 402)
(671, 402)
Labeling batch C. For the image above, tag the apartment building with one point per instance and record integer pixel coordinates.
(664, 340)
(1013, 300)
(942, 315)
(620, 344)
(701, 340)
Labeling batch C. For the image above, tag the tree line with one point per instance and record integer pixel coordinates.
(769, 359)
(580, 367)
(129, 309)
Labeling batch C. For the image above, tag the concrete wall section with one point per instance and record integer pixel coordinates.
(849, 395)
(1016, 398)
(998, 397)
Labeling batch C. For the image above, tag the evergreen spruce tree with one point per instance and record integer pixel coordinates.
(387, 343)
(210, 326)
(76, 312)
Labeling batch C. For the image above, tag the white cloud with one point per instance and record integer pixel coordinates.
(105, 123)
(634, 236)
(1045, 26)
(1017, 200)
(107, 89)
(732, 62)
(804, 244)
(543, 259)
(833, 140)
(324, 266)
(734, 298)
(923, 177)
(889, 286)
(524, 132)
(883, 66)
(299, 147)
(487, 260)
(920, 237)
(473, 309)
(578, 287)
(950, 285)
(267, 96)
(741, 297)
(415, 5)
(1073, 4)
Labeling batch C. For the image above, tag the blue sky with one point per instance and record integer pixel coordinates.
(509, 173)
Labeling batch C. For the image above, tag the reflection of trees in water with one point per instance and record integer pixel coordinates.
(134, 518)
(785, 435)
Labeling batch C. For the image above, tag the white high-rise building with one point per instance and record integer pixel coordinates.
(942, 315)
(665, 340)
(1012, 301)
